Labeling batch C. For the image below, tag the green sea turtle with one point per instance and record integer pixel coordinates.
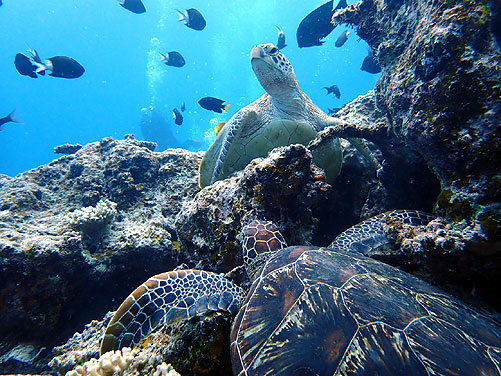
(284, 115)
(322, 311)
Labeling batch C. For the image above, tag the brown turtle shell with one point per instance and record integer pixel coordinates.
(318, 311)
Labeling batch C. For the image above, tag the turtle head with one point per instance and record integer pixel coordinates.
(261, 240)
(273, 70)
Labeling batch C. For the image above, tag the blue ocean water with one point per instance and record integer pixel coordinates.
(120, 52)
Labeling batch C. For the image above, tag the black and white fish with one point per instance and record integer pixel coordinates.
(173, 58)
(135, 6)
(317, 25)
(342, 38)
(333, 89)
(61, 66)
(176, 115)
(25, 66)
(370, 64)
(193, 19)
(213, 104)
(9, 119)
(281, 38)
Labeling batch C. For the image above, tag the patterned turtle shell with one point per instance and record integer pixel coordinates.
(323, 311)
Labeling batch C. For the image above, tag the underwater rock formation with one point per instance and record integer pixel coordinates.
(196, 346)
(282, 187)
(67, 148)
(100, 220)
(439, 92)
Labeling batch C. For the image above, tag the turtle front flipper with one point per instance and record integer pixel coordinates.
(369, 235)
(165, 299)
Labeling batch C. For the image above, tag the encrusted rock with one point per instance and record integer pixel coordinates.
(199, 346)
(439, 92)
(84, 230)
(67, 148)
(282, 187)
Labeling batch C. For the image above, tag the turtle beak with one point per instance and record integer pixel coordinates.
(258, 52)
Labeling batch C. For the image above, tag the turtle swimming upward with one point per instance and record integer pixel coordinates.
(284, 115)
(322, 311)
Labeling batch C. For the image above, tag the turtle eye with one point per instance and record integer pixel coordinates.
(273, 51)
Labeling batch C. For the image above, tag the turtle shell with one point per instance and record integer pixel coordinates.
(318, 311)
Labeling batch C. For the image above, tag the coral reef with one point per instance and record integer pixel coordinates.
(93, 219)
(282, 187)
(439, 93)
(197, 346)
(67, 148)
(50, 266)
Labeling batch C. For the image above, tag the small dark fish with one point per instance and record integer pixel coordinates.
(213, 104)
(370, 64)
(183, 107)
(193, 19)
(281, 38)
(1, 3)
(135, 6)
(333, 89)
(332, 111)
(317, 25)
(173, 58)
(9, 119)
(62, 66)
(176, 115)
(341, 39)
(24, 66)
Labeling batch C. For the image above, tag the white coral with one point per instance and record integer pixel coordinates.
(110, 363)
(165, 370)
(92, 219)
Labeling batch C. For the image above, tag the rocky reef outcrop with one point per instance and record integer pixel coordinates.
(439, 95)
(75, 232)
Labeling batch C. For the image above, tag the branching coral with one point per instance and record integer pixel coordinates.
(93, 219)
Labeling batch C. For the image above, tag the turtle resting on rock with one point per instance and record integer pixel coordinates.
(322, 311)
(284, 115)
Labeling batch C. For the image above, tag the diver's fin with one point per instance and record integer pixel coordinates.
(168, 298)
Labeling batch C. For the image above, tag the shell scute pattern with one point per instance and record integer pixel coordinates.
(307, 330)
(379, 349)
(356, 316)
(470, 355)
(322, 311)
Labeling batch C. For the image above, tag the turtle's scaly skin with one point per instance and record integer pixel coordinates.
(353, 239)
(283, 116)
(323, 311)
(168, 298)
